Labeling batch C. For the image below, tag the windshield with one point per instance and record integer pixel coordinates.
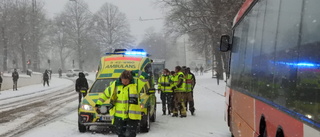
(100, 85)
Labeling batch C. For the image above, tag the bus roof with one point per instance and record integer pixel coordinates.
(245, 6)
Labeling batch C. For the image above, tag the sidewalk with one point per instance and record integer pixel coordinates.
(36, 89)
(24, 80)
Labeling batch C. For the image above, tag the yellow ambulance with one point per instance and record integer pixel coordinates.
(110, 68)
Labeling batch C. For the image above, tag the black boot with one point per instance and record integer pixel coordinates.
(175, 115)
(164, 112)
(192, 111)
(182, 116)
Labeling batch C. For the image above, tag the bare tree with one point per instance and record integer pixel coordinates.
(21, 31)
(5, 9)
(112, 28)
(154, 43)
(78, 26)
(204, 21)
(58, 38)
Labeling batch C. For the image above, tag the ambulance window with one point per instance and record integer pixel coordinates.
(100, 85)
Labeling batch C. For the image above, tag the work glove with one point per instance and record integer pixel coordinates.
(98, 108)
(111, 106)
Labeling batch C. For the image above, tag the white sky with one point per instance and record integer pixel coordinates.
(146, 9)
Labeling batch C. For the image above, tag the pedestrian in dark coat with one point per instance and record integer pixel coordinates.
(201, 70)
(15, 77)
(0, 81)
(82, 86)
(218, 77)
(46, 78)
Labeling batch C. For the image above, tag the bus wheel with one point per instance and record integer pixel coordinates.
(263, 128)
(280, 132)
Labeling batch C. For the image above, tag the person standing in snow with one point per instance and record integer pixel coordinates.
(190, 83)
(82, 85)
(0, 81)
(201, 70)
(60, 72)
(179, 89)
(165, 87)
(125, 102)
(46, 78)
(15, 77)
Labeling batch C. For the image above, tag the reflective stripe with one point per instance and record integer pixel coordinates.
(122, 101)
(165, 84)
(134, 112)
(144, 80)
(102, 100)
(133, 95)
(122, 112)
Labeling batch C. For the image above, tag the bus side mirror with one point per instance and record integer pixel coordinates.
(224, 43)
(151, 91)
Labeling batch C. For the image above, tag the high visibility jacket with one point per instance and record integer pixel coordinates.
(123, 109)
(165, 84)
(119, 97)
(176, 79)
(189, 79)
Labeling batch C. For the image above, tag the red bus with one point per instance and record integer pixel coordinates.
(273, 83)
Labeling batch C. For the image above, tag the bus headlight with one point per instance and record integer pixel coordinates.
(87, 107)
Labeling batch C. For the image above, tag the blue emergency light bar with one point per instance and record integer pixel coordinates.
(135, 53)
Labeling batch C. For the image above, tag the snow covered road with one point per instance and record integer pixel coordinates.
(208, 121)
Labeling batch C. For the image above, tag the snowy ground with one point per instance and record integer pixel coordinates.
(208, 121)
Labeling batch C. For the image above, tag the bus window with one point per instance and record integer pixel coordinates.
(308, 84)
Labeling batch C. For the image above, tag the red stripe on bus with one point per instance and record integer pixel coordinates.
(243, 9)
(122, 58)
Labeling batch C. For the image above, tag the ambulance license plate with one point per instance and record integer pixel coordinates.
(105, 118)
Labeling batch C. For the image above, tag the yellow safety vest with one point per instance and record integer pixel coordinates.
(188, 83)
(179, 76)
(123, 109)
(165, 84)
(119, 96)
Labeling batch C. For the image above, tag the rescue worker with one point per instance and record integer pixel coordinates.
(179, 88)
(15, 77)
(165, 87)
(82, 86)
(125, 102)
(46, 78)
(190, 83)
